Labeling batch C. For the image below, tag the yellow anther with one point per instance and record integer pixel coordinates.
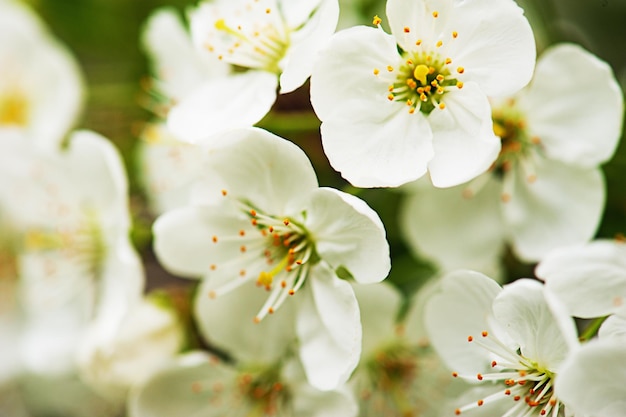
(420, 72)
(407, 29)
(434, 83)
(390, 97)
(377, 20)
(459, 84)
(448, 61)
(440, 78)
(438, 44)
(268, 11)
(460, 70)
(409, 62)
(431, 70)
(418, 42)
(420, 90)
(390, 88)
(389, 68)
(423, 97)
(435, 14)
(409, 103)
(455, 34)
(376, 71)
(412, 110)
(442, 106)
(440, 90)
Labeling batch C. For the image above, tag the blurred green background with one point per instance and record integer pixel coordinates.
(104, 35)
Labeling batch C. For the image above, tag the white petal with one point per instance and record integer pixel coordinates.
(348, 233)
(223, 103)
(309, 402)
(614, 326)
(187, 387)
(183, 239)
(439, 223)
(495, 45)
(329, 329)
(522, 311)
(227, 323)
(168, 168)
(561, 207)
(590, 279)
(297, 13)
(460, 309)
(417, 16)
(463, 139)
(306, 42)
(379, 305)
(343, 77)
(177, 66)
(592, 381)
(257, 166)
(579, 126)
(386, 149)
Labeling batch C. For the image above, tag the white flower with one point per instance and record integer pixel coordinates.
(396, 106)
(399, 372)
(40, 83)
(70, 256)
(149, 336)
(546, 189)
(589, 279)
(274, 41)
(512, 341)
(261, 217)
(263, 378)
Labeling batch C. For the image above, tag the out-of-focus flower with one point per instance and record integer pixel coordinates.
(399, 373)
(168, 167)
(269, 44)
(260, 217)
(589, 279)
(545, 190)
(511, 340)
(66, 257)
(396, 106)
(150, 336)
(40, 83)
(263, 378)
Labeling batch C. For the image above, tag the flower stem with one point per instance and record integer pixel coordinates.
(592, 329)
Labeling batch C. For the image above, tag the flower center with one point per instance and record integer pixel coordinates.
(253, 36)
(509, 124)
(265, 392)
(276, 252)
(13, 109)
(83, 244)
(422, 81)
(425, 74)
(529, 386)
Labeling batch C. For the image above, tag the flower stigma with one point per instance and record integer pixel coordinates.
(13, 109)
(528, 384)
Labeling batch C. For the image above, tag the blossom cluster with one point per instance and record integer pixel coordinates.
(287, 300)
